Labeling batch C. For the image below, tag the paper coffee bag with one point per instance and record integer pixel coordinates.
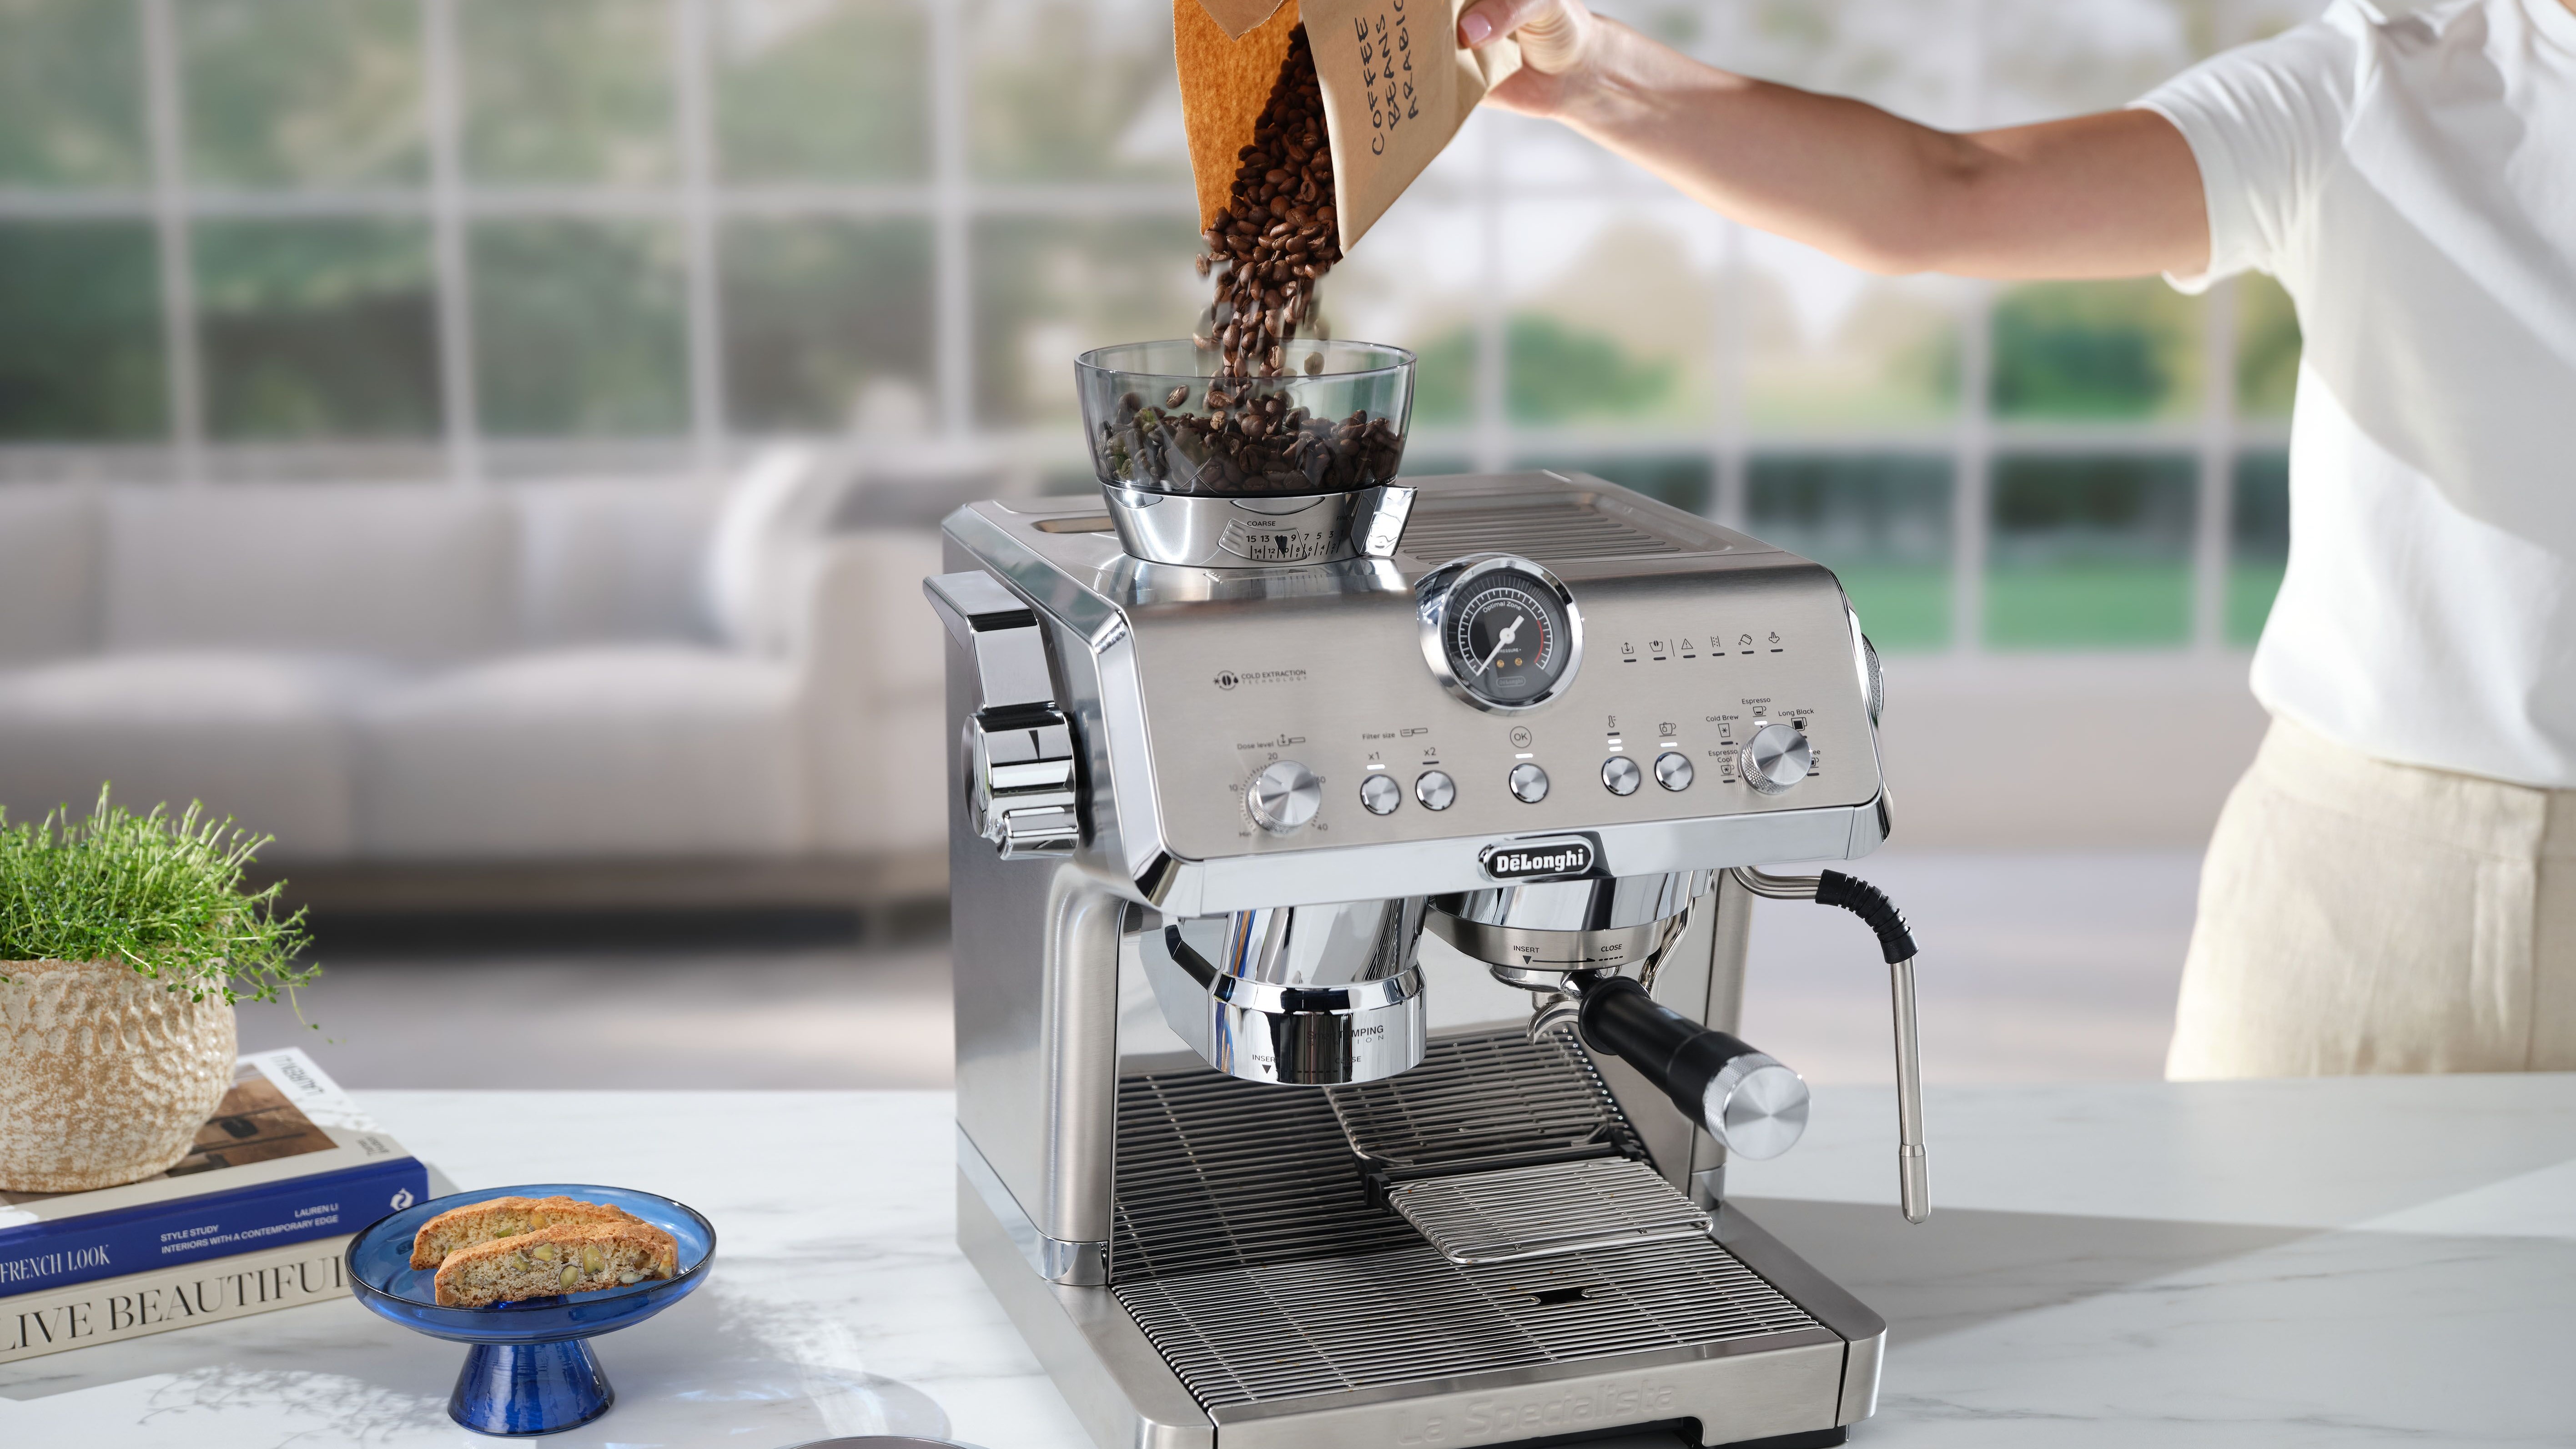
(1396, 85)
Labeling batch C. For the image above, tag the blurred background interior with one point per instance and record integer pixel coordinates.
(493, 446)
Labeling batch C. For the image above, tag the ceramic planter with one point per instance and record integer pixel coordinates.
(105, 1075)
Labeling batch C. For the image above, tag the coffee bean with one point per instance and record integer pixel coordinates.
(1176, 397)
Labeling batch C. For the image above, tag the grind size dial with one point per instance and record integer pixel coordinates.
(1500, 632)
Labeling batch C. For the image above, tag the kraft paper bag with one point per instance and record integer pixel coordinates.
(1226, 76)
(1239, 17)
(1396, 86)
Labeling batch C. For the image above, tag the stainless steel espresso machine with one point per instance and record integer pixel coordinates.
(1350, 899)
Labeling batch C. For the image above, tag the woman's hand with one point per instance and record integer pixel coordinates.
(1557, 39)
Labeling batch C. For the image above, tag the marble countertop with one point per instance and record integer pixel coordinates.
(2262, 1263)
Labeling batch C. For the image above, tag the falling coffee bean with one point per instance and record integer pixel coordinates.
(1264, 251)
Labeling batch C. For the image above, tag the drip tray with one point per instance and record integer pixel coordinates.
(1490, 1218)
(1538, 1212)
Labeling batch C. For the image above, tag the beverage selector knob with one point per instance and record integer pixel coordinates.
(1380, 795)
(1776, 758)
(1435, 790)
(1284, 796)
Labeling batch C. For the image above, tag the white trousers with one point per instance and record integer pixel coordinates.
(2361, 916)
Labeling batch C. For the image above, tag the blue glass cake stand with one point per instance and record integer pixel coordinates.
(530, 1369)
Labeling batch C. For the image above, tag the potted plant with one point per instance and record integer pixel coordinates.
(125, 942)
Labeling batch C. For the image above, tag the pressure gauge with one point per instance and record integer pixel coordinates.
(1500, 632)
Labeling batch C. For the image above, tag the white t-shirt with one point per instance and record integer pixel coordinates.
(2411, 179)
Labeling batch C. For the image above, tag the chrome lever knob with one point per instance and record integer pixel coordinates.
(1020, 781)
(1020, 765)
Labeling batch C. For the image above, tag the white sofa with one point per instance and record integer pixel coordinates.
(537, 673)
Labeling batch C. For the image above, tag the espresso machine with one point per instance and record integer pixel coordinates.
(1350, 894)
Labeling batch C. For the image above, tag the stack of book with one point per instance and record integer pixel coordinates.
(253, 1218)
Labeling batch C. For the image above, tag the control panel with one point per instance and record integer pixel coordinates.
(1499, 696)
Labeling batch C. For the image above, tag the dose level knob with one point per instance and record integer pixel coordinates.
(1284, 796)
(1776, 758)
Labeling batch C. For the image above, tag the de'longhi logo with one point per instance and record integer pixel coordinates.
(1537, 859)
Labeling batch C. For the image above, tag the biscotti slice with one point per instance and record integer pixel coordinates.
(502, 1217)
(565, 1258)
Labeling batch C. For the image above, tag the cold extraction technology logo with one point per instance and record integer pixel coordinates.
(1230, 679)
(1537, 859)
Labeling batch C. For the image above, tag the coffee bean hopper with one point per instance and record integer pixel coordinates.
(1350, 885)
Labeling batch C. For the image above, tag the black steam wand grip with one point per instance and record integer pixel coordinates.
(1747, 1100)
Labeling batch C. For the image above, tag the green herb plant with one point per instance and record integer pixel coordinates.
(161, 894)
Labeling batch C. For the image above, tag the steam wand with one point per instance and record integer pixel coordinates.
(1833, 888)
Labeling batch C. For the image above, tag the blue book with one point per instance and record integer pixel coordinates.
(40, 1257)
(286, 1158)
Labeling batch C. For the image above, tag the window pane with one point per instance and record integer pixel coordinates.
(316, 329)
(1444, 378)
(1064, 89)
(1404, 287)
(578, 328)
(823, 92)
(567, 90)
(2090, 552)
(826, 322)
(1684, 480)
(1048, 288)
(80, 331)
(1899, 54)
(2078, 350)
(1611, 315)
(302, 92)
(2267, 347)
(1829, 346)
(2258, 547)
(1882, 524)
(71, 94)
(2050, 58)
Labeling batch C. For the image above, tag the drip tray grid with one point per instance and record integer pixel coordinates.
(1531, 1212)
(1251, 1253)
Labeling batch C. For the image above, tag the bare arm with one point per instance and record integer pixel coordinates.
(2110, 195)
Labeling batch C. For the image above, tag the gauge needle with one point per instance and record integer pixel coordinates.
(1504, 642)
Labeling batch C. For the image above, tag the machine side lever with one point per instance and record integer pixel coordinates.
(1754, 1106)
(1896, 943)
(1019, 750)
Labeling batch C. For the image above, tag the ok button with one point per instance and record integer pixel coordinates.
(1529, 783)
